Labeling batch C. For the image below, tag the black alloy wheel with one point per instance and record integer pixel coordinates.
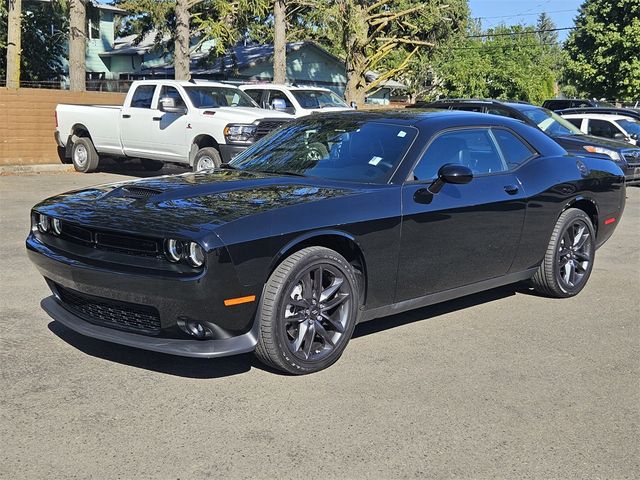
(308, 311)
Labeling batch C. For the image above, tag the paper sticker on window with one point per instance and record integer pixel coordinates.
(375, 160)
(402, 133)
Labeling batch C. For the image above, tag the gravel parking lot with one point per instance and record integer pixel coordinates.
(502, 384)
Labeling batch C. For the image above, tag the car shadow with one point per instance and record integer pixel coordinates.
(235, 365)
(133, 168)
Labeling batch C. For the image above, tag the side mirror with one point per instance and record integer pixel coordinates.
(168, 105)
(451, 173)
(278, 104)
(620, 136)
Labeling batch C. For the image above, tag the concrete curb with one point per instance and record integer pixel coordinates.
(30, 169)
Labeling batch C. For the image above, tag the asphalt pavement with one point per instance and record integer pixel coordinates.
(503, 384)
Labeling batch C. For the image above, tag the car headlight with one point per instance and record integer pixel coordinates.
(612, 154)
(173, 250)
(240, 132)
(43, 223)
(56, 226)
(196, 255)
(177, 250)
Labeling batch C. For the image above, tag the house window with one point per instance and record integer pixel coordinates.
(93, 26)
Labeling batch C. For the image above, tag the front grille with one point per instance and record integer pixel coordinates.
(632, 157)
(130, 244)
(110, 313)
(268, 125)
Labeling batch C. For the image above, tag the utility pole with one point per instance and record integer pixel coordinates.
(14, 46)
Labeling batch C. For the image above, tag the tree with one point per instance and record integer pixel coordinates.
(279, 41)
(77, 45)
(14, 49)
(43, 41)
(181, 57)
(604, 49)
(546, 30)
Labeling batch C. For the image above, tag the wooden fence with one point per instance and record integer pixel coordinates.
(27, 122)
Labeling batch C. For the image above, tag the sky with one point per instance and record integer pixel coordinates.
(510, 12)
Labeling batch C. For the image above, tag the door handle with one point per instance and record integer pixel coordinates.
(156, 119)
(511, 189)
(126, 115)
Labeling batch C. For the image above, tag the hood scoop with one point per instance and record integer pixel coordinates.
(132, 191)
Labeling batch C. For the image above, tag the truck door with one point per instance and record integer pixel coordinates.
(169, 130)
(136, 123)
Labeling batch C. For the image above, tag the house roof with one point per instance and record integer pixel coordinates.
(245, 56)
(94, 3)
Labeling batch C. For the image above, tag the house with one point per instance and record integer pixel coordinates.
(307, 64)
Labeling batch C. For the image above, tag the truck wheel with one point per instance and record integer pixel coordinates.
(206, 158)
(84, 156)
(151, 165)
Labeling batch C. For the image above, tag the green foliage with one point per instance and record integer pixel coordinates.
(509, 63)
(604, 49)
(44, 35)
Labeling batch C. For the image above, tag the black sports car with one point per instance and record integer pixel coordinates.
(331, 220)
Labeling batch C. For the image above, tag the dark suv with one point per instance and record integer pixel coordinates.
(562, 103)
(566, 134)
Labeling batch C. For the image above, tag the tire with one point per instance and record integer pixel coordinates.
(316, 151)
(84, 156)
(151, 165)
(307, 336)
(206, 158)
(565, 271)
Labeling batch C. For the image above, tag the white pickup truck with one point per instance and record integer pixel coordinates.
(199, 124)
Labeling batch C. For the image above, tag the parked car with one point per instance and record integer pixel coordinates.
(625, 112)
(299, 101)
(565, 133)
(285, 255)
(610, 126)
(560, 103)
(198, 124)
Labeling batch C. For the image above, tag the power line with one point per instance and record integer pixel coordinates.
(519, 33)
(524, 14)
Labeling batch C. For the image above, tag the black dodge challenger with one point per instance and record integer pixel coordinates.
(332, 220)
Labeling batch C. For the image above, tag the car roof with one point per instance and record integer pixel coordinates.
(599, 116)
(270, 86)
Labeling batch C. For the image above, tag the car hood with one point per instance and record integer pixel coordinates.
(245, 114)
(188, 204)
(577, 142)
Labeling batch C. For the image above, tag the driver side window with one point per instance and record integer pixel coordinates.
(472, 147)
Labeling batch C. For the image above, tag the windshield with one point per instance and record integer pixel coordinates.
(340, 149)
(212, 97)
(551, 123)
(318, 99)
(630, 126)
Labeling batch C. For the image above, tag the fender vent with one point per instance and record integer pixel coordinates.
(139, 192)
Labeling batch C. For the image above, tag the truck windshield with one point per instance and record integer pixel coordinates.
(551, 123)
(632, 127)
(212, 97)
(318, 99)
(356, 150)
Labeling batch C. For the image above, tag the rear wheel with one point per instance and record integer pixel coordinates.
(308, 311)
(207, 158)
(568, 261)
(84, 156)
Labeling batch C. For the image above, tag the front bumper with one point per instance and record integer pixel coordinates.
(228, 152)
(173, 296)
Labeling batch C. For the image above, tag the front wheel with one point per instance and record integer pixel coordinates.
(207, 158)
(84, 156)
(568, 261)
(308, 311)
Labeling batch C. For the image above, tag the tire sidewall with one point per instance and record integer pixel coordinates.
(92, 157)
(206, 152)
(293, 363)
(570, 218)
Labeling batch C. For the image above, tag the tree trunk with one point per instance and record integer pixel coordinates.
(355, 37)
(183, 37)
(14, 48)
(77, 45)
(279, 42)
